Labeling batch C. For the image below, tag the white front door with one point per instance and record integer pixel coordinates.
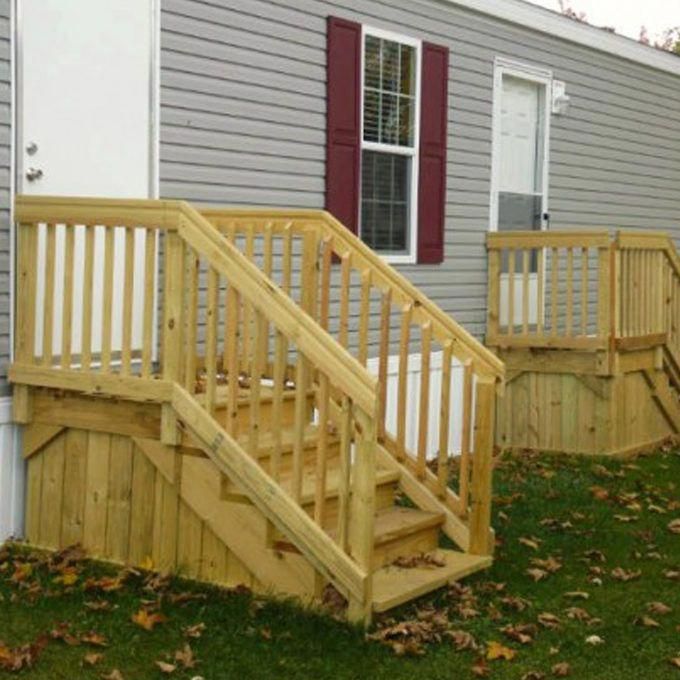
(86, 119)
(519, 198)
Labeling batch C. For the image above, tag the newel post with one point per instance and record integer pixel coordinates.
(362, 509)
(24, 347)
(481, 537)
(173, 336)
(493, 292)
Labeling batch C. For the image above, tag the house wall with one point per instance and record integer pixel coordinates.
(243, 122)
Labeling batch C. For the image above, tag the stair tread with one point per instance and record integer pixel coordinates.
(393, 585)
(398, 521)
(266, 440)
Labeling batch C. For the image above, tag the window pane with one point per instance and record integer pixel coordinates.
(406, 115)
(371, 116)
(519, 211)
(372, 62)
(385, 182)
(390, 66)
(408, 70)
(389, 131)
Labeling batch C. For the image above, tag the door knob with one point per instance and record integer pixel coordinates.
(33, 174)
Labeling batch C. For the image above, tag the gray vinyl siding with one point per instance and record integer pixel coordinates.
(5, 186)
(243, 120)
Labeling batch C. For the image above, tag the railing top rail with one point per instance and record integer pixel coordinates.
(464, 344)
(548, 239)
(102, 211)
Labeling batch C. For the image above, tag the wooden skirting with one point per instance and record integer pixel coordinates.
(561, 401)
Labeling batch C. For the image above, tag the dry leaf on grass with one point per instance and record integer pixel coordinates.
(533, 675)
(495, 650)
(93, 658)
(625, 575)
(481, 668)
(647, 622)
(561, 670)
(577, 595)
(95, 639)
(659, 608)
(23, 656)
(594, 640)
(675, 661)
(522, 633)
(548, 620)
(674, 526)
(115, 674)
(194, 631)
(147, 620)
(537, 574)
(166, 667)
(461, 639)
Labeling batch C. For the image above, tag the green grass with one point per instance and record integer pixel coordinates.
(246, 637)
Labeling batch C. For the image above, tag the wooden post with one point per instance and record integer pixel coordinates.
(24, 349)
(362, 513)
(604, 299)
(480, 515)
(172, 329)
(493, 294)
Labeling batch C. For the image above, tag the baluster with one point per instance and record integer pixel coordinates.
(464, 490)
(364, 315)
(88, 286)
(301, 413)
(287, 257)
(231, 358)
(107, 300)
(280, 366)
(345, 466)
(511, 291)
(383, 365)
(344, 299)
(211, 321)
(257, 369)
(525, 291)
(570, 293)
(268, 264)
(67, 308)
(402, 389)
(308, 277)
(553, 292)
(48, 311)
(321, 450)
(540, 291)
(128, 300)
(149, 292)
(444, 419)
(194, 266)
(326, 259)
(584, 291)
(424, 401)
(247, 318)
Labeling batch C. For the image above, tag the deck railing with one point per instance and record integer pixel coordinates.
(583, 290)
(389, 326)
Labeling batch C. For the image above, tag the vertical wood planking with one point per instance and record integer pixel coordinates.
(494, 292)
(345, 467)
(301, 375)
(52, 493)
(75, 489)
(247, 318)
(96, 499)
(67, 299)
(143, 482)
(231, 358)
(466, 437)
(27, 251)
(257, 369)
(119, 494)
(321, 450)
(280, 363)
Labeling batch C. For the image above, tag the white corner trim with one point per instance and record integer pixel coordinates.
(5, 410)
(552, 23)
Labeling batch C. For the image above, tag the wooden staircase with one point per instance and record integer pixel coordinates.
(265, 432)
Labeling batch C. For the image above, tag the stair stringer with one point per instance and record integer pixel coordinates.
(665, 398)
(227, 457)
(240, 527)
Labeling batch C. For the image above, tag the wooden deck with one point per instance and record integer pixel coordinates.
(238, 437)
(588, 326)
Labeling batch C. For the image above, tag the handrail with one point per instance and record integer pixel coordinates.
(465, 346)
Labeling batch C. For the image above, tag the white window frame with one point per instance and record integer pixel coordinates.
(507, 67)
(414, 152)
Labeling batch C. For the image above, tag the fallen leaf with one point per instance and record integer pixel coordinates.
(481, 668)
(675, 661)
(93, 658)
(659, 608)
(533, 543)
(95, 639)
(165, 667)
(194, 631)
(533, 675)
(561, 670)
(647, 622)
(550, 564)
(626, 519)
(594, 640)
(115, 674)
(621, 574)
(185, 656)
(577, 595)
(461, 639)
(548, 620)
(495, 650)
(537, 574)
(674, 526)
(147, 620)
(522, 633)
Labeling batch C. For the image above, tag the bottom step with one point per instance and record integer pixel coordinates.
(394, 585)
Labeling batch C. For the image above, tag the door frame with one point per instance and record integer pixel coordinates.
(17, 141)
(508, 67)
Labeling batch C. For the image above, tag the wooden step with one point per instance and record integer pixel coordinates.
(401, 531)
(394, 585)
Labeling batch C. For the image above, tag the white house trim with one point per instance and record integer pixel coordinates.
(552, 23)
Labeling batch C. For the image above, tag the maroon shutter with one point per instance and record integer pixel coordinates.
(343, 145)
(432, 173)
